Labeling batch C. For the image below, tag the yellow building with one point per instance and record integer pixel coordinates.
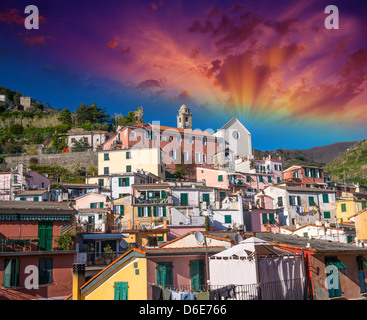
(124, 279)
(360, 220)
(347, 208)
(131, 160)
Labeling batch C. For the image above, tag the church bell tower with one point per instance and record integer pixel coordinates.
(184, 118)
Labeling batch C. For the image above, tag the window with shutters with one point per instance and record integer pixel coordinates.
(100, 182)
(184, 201)
(264, 218)
(271, 218)
(206, 198)
(343, 207)
(164, 274)
(11, 273)
(128, 154)
(220, 178)
(325, 198)
(45, 270)
(128, 168)
(311, 201)
(197, 274)
(106, 170)
(106, 156)
(228, 218)
(327, 215)
(45, 229)
(121, 291)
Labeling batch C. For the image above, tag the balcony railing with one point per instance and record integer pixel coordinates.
(144, 200)
(28, 244)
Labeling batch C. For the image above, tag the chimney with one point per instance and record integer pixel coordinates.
(78, 279)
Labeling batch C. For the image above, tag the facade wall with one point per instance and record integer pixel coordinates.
(361, 226)
(137, 282)
(351, 207)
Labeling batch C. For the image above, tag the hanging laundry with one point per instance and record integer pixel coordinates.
(157, 293)
(166, 294)
(187, 296)
(214, 295)
(306, 209)
(175, 295)
(202, 295)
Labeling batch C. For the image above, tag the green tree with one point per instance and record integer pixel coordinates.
(127, 120)
(16, 129)
(65, 117)
(16, 99)
(92, 114)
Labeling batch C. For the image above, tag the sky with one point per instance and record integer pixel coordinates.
(293, 83)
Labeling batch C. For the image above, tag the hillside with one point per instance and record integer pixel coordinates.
(351, 165)
(316, 156)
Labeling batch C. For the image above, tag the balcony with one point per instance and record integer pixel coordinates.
(30, 244)
(146, 201)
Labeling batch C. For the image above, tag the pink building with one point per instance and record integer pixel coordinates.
(263, 217)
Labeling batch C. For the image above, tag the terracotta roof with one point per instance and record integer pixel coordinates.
(358, 213)
(31, 192)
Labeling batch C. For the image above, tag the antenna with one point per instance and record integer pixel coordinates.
(238, 238)
(200, 239)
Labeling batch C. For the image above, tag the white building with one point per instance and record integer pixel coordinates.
(94, 138)
(236, 138)
(302, 205)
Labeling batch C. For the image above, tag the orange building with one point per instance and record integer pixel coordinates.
(304, 176)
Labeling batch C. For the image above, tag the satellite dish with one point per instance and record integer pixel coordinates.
(238, 238)
(200, 239)
(123, 244)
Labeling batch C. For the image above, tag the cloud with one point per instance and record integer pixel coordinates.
(125, 51)
(32, 40)
(150, 84)
(12, 16)
(112, 44)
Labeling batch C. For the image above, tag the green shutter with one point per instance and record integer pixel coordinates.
(206, 198)
(298, 200)
(120, 182)
(128, 168)
(325, 198)
(222, 195)
(163, 194)
(101, 205)
(139, 211)
(121, 291)
(35, 198)
(106, 170)
(264, 218)
(164, 211)
(127, 182)
(91, 205)
(154, 211)
(269, 179)
(364, 205)
(220, 178)
(164, 274)
(100, 182)
(227, 219)
(248, 179)
(149, 211)
(344, 207)
(45, 235)
(311, 201)
(11, 273)
(45, 270)
(184, 199)
(271, 218)
(197, 274)
(280, 201)
(327, 215)
(260, 178)
(122, 210)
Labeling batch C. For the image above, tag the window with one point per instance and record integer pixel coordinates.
(22, 198)
(15, 179)
(45, 270)
(343, 207)
(164, 274)
(228, 218)
(128, 154)
(124, 182)
(279, 180)
(280, 201)
(106, 156)
(220, 178)
(121, 291)
(260, 178)
(271, 218)
(222, 195)
(197, 157)
(119, 209)
(35, 198)
(173, 154)
(325, 198)
(264, 218)
(148, 134)
(106, 170)
(248, 178)
(206, 198)
(197, 274)
(42, 185)
(204, 141)
(45, 229)
(128, 168)
(269, 179)
(364, 205)
(326, 215)
(11, 273)
(311, 201)
(132, 134)
(204, 158)
(185, 156)
(184, 199)
(100, 182)
(191, 139)
(360, 262)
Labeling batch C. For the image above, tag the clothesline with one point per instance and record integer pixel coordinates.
(307, 209)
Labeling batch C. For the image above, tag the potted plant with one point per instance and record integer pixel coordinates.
(107, 254)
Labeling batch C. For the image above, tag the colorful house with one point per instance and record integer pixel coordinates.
(360, 221)
(29, 232)
(347, 208)
(304, 176)
(33, 195)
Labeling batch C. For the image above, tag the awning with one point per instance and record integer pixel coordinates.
(363, 260)
(103, 236)
(51, 217)
(8, 217)
(335, 262)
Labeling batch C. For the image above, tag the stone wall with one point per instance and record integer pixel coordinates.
(66, 160)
